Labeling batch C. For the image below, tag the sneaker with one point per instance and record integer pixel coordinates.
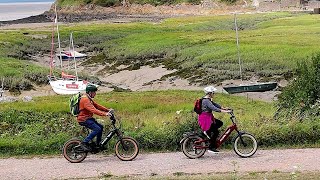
(213, 150)
(85, 146)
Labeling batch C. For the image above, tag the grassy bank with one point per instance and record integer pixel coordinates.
(202, 49)
(18, 75)
(108, 3)
(156, 119)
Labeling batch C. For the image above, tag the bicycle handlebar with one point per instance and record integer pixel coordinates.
(231, 112)
(112, 118)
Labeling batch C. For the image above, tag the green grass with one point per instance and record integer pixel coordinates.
(150, 117)
(202, 48)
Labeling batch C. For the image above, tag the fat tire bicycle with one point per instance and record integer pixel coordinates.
(194, 144)
(126, 148)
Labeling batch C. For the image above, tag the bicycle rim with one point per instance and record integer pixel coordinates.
(188, 147)
(127, 149)
(71, 154)
(246, 149)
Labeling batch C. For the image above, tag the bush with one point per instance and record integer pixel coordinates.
(169, 135)
(194, 1)
(30, 132)
(229, 1)
(301, 98)
(107, 3)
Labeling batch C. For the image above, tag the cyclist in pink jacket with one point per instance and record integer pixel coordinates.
(206, 120)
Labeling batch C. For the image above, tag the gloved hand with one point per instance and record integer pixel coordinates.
(111, 111)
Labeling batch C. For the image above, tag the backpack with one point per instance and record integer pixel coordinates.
(197, 106)
(74, 104)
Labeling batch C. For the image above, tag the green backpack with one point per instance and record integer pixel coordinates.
(74, 104)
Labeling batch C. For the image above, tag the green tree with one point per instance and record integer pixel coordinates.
(301, 98)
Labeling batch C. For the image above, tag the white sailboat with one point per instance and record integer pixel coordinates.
(67, 84)
(71, 54)
(66, 55)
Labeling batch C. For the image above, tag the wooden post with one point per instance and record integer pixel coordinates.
(238, 48)
(1, 90)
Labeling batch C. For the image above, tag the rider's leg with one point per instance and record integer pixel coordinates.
(210, 133)
(99, 135)
(214, 133)
(217, 124)
(91, 124)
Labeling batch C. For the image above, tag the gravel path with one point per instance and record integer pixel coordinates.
(287, 160)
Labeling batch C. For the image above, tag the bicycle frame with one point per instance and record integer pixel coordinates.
(228, 131)
(224, 136)
(111, 133)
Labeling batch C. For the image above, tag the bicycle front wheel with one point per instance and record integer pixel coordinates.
(245, 146)
(127, 149)
(189, 147)
(72, 151)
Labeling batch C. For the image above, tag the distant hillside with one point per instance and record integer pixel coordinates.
(109, 3)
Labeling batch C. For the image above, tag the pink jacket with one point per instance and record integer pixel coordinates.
(205, 119)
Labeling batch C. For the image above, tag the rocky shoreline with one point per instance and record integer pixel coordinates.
(84, 17)
(42, 18)
(134, 12)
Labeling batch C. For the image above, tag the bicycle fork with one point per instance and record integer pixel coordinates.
(119, 134)
(241, 139)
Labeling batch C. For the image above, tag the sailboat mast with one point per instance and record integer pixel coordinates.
(74, 56)
(56, 21)
(238, 48)
(70, 45)
(52, 49)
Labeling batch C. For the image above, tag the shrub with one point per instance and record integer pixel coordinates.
(167, 136)
(229, 1)
(107, 3)
(301, 97)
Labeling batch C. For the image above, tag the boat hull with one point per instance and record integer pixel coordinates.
(64, 87)
(66, 55)
(260, 87)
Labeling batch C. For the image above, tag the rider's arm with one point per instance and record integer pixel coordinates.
(225, 109)
(213, 106)
(90, 107)
(100, 107)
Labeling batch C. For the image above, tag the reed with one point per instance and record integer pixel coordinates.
(157, 119)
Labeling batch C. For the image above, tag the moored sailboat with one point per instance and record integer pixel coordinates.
(252, 87)
(67, 84)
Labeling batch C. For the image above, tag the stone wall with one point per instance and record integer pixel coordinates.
(290, 3)
(276, 5)
(269, 6)
(313, 4)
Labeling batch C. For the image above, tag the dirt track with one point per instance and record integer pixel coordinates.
(288, 160)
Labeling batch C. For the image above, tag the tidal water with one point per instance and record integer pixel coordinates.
(17, 9)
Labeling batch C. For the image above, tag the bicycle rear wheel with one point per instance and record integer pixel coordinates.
(72, 151)
(127, 149)
(189, 147)
(245, 147)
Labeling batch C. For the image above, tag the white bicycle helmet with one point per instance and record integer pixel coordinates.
(209, 89)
